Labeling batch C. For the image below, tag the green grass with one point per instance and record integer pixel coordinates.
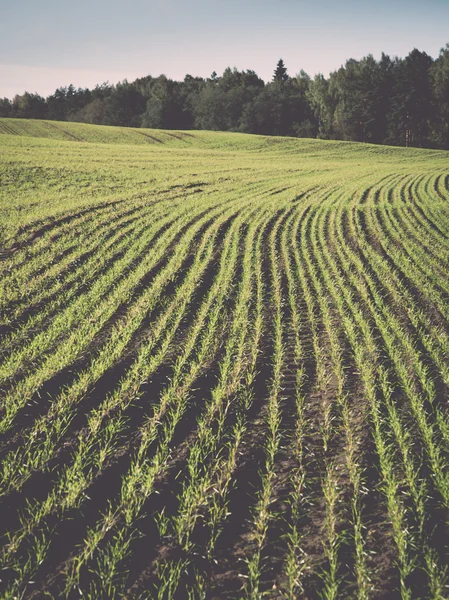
(224, 365)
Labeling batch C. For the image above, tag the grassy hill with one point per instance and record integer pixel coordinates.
(224, 365)
(102, 134)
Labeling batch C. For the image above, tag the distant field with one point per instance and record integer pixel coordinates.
(224, 366)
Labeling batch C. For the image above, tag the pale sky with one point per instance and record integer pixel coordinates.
(45, 44)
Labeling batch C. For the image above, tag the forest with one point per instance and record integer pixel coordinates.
(394, 101)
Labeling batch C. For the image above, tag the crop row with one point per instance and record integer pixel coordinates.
(238, 391)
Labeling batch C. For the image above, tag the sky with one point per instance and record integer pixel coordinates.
(47, 44)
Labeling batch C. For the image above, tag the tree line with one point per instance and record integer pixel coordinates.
(397, 101)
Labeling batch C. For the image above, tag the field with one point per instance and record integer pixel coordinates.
(224, 366)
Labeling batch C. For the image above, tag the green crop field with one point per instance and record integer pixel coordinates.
(224, 366)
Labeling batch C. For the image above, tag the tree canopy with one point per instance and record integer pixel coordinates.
(386, 101)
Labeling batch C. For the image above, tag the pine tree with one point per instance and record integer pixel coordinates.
(280, 73)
